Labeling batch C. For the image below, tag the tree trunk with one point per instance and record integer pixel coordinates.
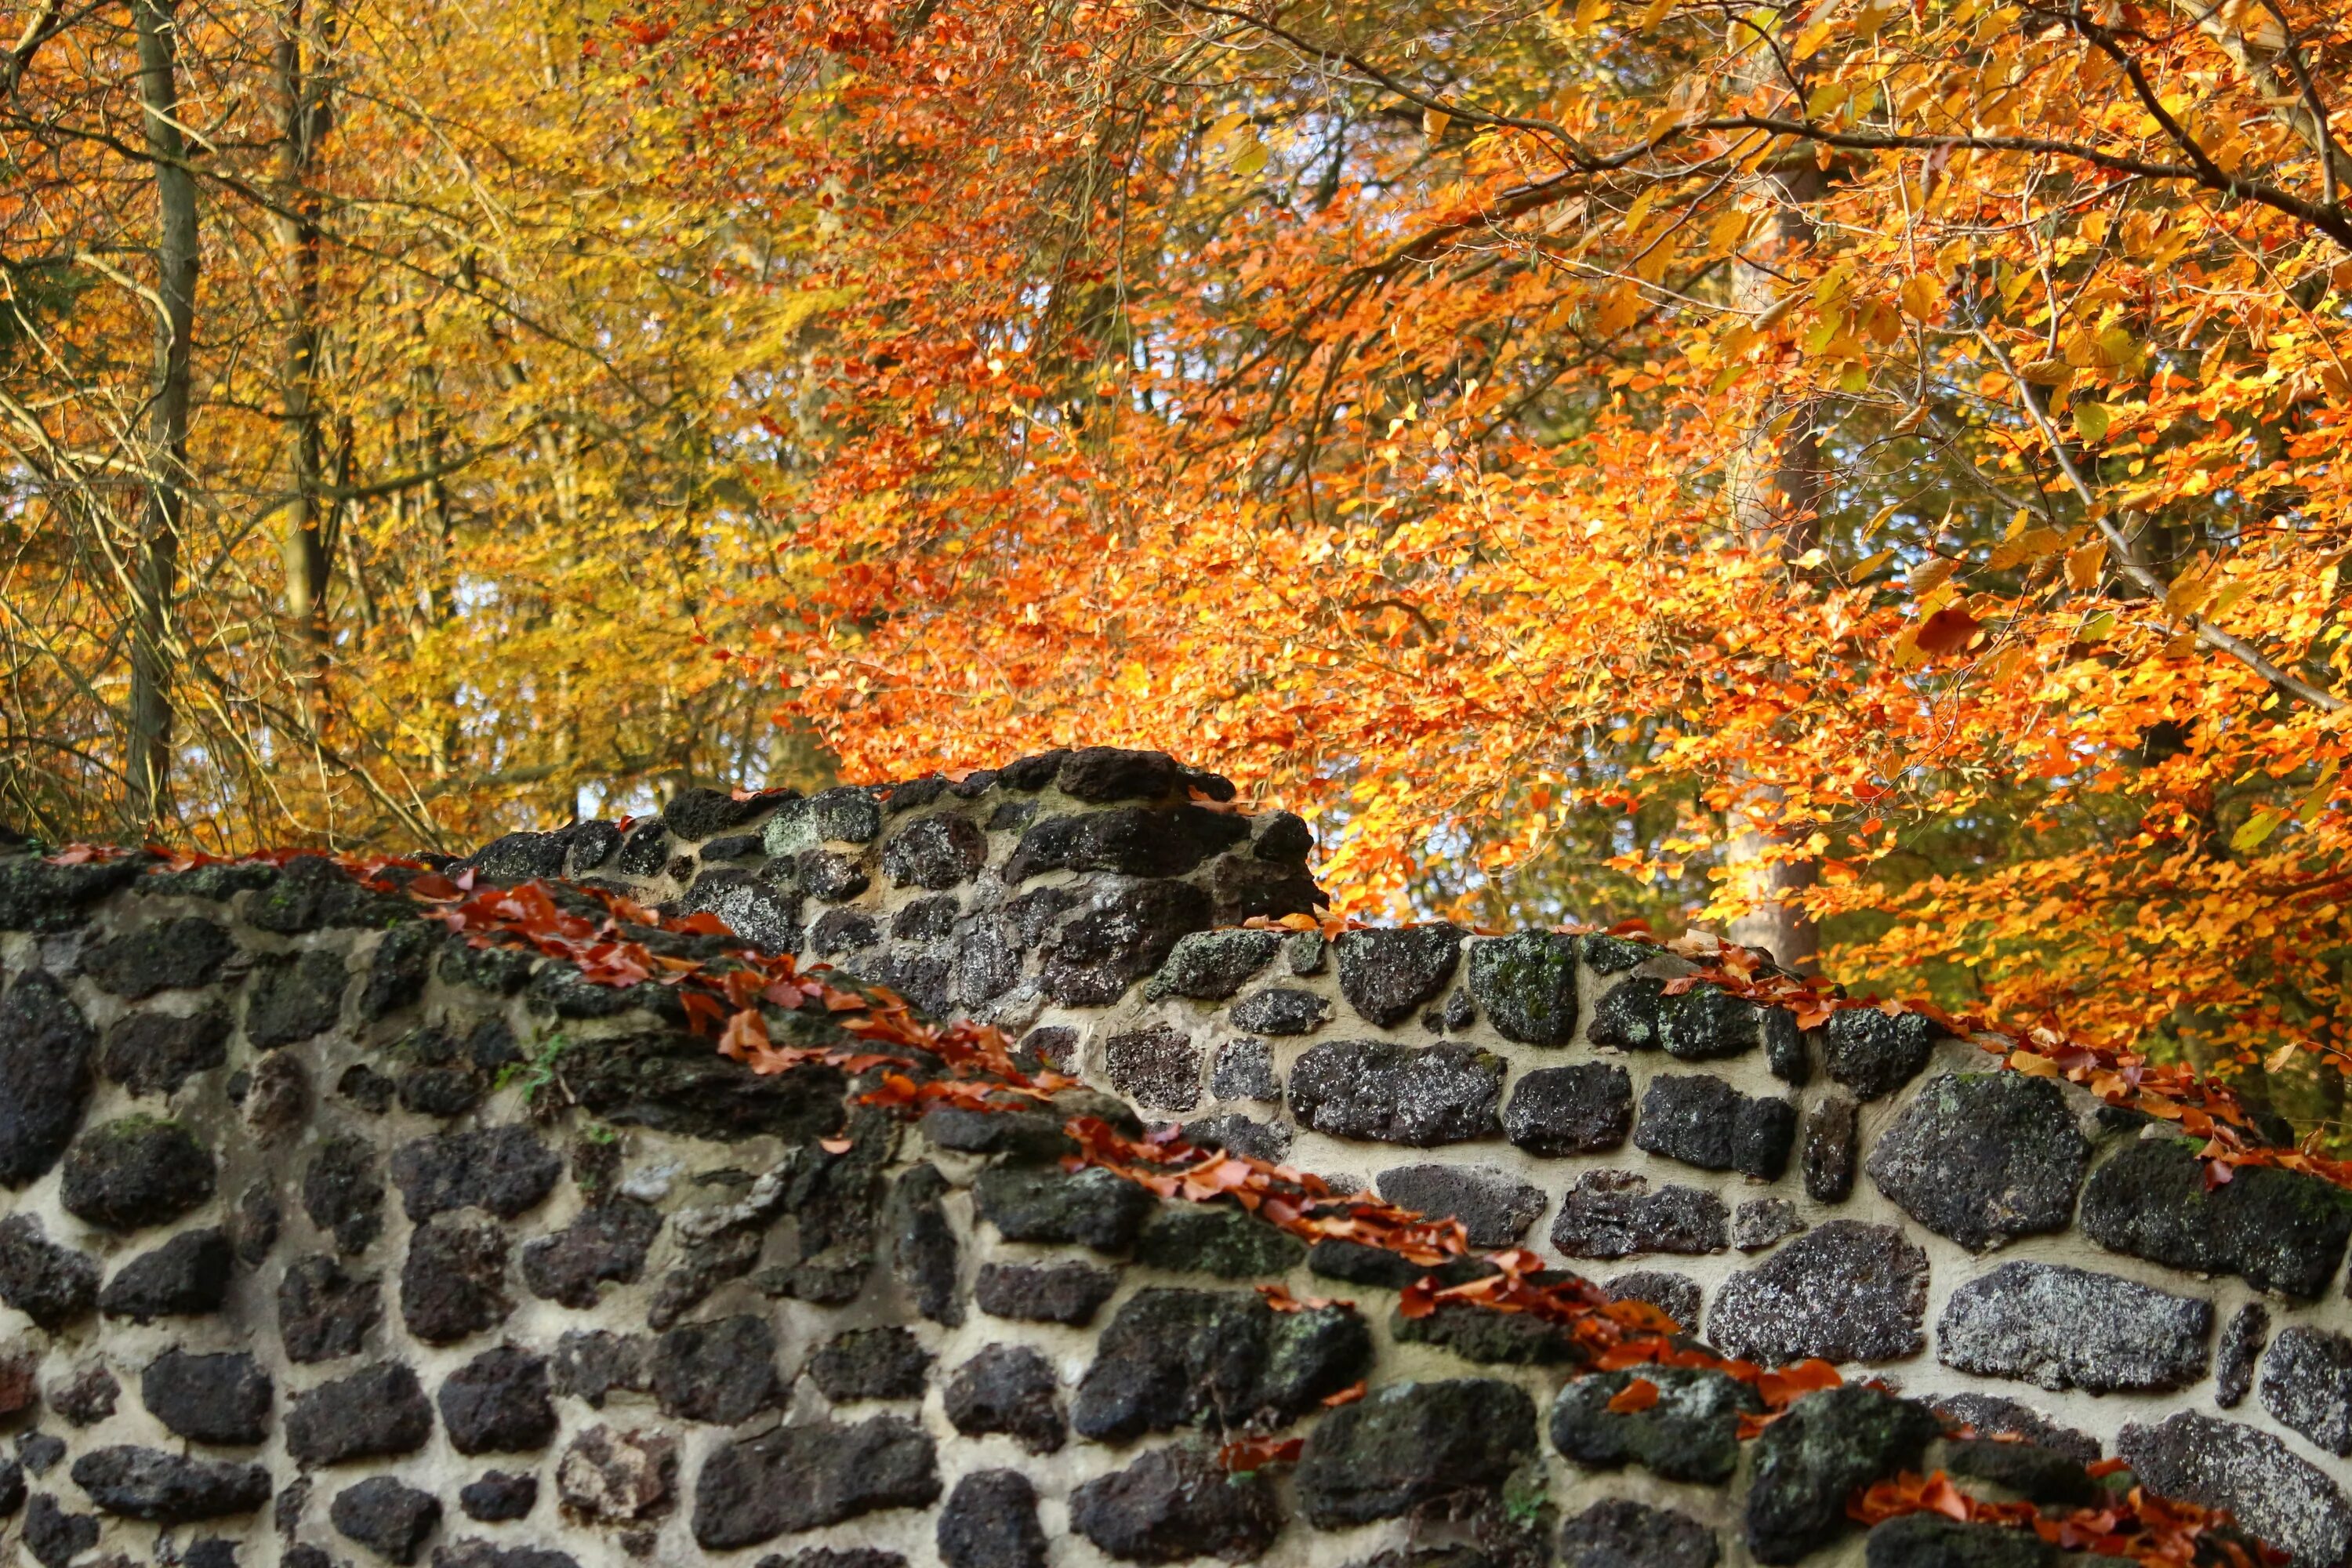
(155, 578)
(303, 541)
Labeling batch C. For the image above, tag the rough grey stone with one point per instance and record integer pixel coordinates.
(1814, 1457)
(377, 1412)
(1526, 985)
(922, 1245)
(605, 1245)
(312, 893)
(155, 1053)
(186, 1276)
(1243, 1069)
(505, 1170)
(1410, 1446)
(2069, 1327)
(618, 1478)
(1613, 1214)
(498, 1403)
(1173, 1504)
(2030, 1470)
(1282, 1011)
(1690, 1434)
(1397, 1094)
(1157, 1067)
(453, 1284)
(1874, 1054)
(499, 1497)
(1705, 1122)
(133, 1172)
(1489, 1338)
(177, 955)
(1303, 952)
(1211, 965)
(1091, 1209)
(1237, 1134)
(1618, 1532)
(1124, 935)
(1010, 1389)
(45, 1052)
(935, 852)
(1702, 1023)
(1387, 975)
(1170, 1357)
(766, 917)
(1494, 1206)
(38, 896)
(222, 1398)
(388, 1517)
(293, 997)
(589, 1364)
(1931, 1540)
(168, 1488)
(1587, 1109)
(2241, 1345)
(1050, 1293)
(343, 1193)
(54, 1536)
(50, 1284)
(2283, 1499)
(324, 1313)
(990, 1521)
(2307, 1384)
(871, 1364)
(1675, 1295)
(843, 816)
(1760, 1222)
(87, 1397)
(1833, 1134)
(1984, 1158)
(723, 1373)
(1843, 1291)
(1225, 1242)
(2282, 1230)
(804, 1477)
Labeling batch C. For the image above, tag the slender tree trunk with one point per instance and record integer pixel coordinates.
(303, 538)
(155, 579)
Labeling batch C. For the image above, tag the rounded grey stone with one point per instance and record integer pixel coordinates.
(1843, 1291)
(1157, 1067)
(2068, 1327)
(1984, 1158)
(1526, 985)
(1587, 1109)
(1280, 1011)
(1618, 1532)
(2283, 1499)
(1494, 1206)
(1387, 974)
(1398, 1094)
(2307, 1384)
(1614, 1213)
(1211, 965)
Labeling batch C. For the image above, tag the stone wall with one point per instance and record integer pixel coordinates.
(326, 1238)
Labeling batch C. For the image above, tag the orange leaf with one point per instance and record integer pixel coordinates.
(1633, 1398)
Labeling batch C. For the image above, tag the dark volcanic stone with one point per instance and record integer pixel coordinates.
(1845, 1291)
(453, 1283)
(184, 1278)
(1243, 1069)
(1124, 936)
(50, 1284)
(223, 1398)
(1174, 1504)
(155, 1053)
(2032, 1472)
(11, 1487)
(1033, 1135)
(1705, 1122)
(935, 852)
(674, 1082)
(1620, 1533)
(1387, 975)
(1051, 1293)
(499, 1497)
(1874, 1054)
(169, 955)
(2069, 1327)
(54, 1536)
(2307, 1384)
(87, 1397)
(39, 897)
(1010, 1389)
(324, 1313)
(1280, 1011)
(843, 816)
(1494, 1206)
(1489, 1338)
(1833, 1134)
(1098, 775)
(44, 1050)
(1397, 1094)
(2241, 1344)
(723, 1372)
(397, 973)
(2283, 1499)
(1690, 1434)
(377, 1412)
(1211, 965)
(1983, 1157)
(607, 1244)
(1814, 1457)
(388, 1518)
(168, 1488)
(472, 1551)
(1675, 1295)
(804, 1477)
(1157, 1068)
(293, 997)
(591, 1365)
(1224, 1242)
(1931, 1540)
(1170, 1357)
(133, 1172)
(696, 813)
(1410, 1446)
(501, 971)
(506, 1170)
(1092, 1208)
(990, 1521)
(1613, 1214)
(1760, 1222)
(1526, 984)
(498, 1403)
(1237, 1134)
(1703, 1024)
(1582, 1110)
(763, 916)
(312, 893)
(343, 1193)
(871, 1364)
(2282, 1230)
(923, 1248)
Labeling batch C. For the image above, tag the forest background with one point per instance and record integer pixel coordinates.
(1862, 472)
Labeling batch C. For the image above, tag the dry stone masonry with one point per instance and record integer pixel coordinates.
(327, 1238)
